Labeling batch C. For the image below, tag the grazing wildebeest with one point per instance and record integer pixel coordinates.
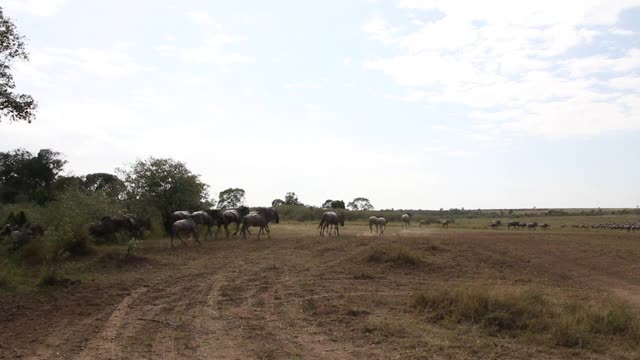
(532, 225)
(329, 219)
(382, 224)
(406, 220)
(184, 226)
(236, 216)
(445, 223)
(260, 218)
(425, 223)
(544, 226)
(373, 221)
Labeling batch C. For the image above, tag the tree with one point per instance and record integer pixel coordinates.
(333, 204)
(291, 199)
(360, 203)
(277, 202)
(14, 106)
(231, 198)
(164, 184)
(110, 184)
(27, 177)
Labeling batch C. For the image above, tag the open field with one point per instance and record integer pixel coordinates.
(425, 293)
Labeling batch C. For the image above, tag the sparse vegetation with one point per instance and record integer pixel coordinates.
(516, 312)
(395, 255)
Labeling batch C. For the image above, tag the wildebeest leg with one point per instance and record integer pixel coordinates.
(226, 229)
(181, 239)
(337, 230)
(208, 232)
(237, 228)
(172, 234)
(195, 236)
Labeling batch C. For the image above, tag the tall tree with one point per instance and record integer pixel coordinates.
(291, 199)
(164, 184)
(333, 204)
(13, 106)
(277, 202)
(360, 203)
(27, 177)
(231, 198)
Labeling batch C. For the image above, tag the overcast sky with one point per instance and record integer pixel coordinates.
(412, 104)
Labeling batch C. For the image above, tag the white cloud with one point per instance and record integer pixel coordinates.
(302, 85)
(378, 29)
(200, 17)
(110, 63)
(214, 51)
(508, 63)
(35, 7)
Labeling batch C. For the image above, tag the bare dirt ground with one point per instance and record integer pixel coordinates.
(299, 296)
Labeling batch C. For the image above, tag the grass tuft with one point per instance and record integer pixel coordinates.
(395, 255)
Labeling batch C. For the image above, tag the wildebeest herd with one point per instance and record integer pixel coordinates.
(185, 223)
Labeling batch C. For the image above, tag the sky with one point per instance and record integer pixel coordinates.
(416, 104)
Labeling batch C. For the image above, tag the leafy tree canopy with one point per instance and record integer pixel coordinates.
(13, 106)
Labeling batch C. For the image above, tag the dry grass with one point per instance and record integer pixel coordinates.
(515, 312)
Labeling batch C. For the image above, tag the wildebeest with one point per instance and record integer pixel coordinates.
(382, 224)
(107, 227)
(236, 216)
(185, 226)
(373, 221)
(425, 223)
(513, 224)
(406, 220)
(204, 218)
(544, 226)
(260, 218)
(138, 225)
(445, 223)
(330, 219)
(495, 224)
(532, 225)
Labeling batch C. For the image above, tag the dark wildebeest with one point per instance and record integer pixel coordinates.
(425, 223)
(495, 224)
(204, 218)
(330, 219)
(260, 218)
(138, 225)
(373, 221)
(180, 215)
(233, 216)
(532, 225)
(545, 226)
(513, 224)
(107, 227)
(382, 224)
(406, 220)
(445, 223)
(184, 226)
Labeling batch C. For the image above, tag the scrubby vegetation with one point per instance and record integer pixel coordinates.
(516, 312)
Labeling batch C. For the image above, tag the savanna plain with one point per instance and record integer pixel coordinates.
(463, 292)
